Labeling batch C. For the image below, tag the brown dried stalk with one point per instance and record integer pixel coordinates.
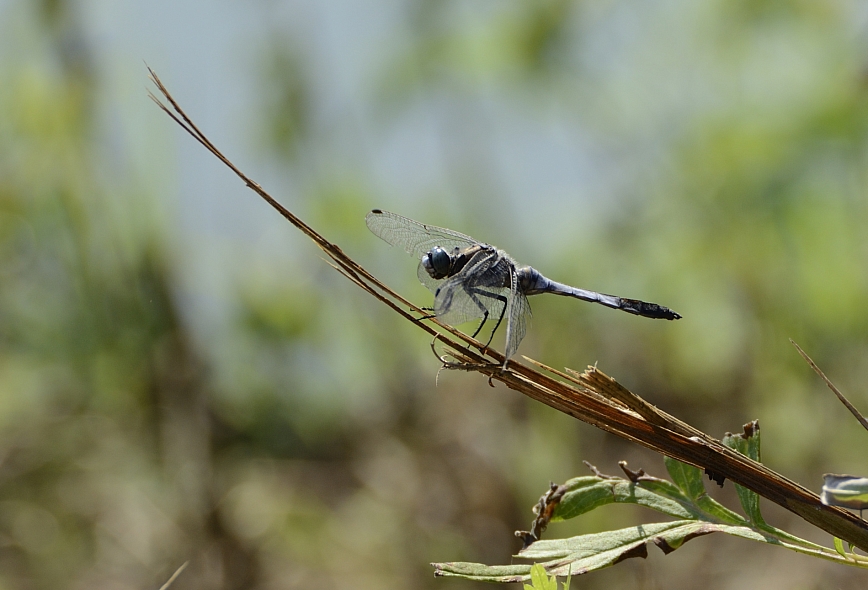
(591, 397)
(856, 414)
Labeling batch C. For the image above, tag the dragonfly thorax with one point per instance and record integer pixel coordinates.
(437, 263)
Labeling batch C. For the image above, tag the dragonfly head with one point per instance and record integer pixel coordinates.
(437, 263)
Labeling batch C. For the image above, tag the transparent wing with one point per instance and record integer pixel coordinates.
(415, 238)
(473, 292)
(489, 285)
(455, 303)
(519, 313)
(426, 279)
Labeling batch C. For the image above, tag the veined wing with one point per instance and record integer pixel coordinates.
(430, 282)
(455, 304)
(475, 291)
(518, 313)
(415, 238)
(488, 286)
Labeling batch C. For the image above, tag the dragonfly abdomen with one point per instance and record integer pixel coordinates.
(532, 282)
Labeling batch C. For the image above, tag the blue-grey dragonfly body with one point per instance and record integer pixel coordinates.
(472, 280)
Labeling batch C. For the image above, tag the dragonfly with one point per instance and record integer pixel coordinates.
(473, 280)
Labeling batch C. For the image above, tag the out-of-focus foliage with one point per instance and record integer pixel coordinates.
(710, 156)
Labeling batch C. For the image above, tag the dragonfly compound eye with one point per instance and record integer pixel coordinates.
(437, 263)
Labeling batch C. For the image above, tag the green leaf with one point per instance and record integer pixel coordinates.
(586, 493)
(539, 579)
(483, 573)
(586, 553)
(595, 551)
(747, 444)
(685, 499)
(563, 557)
(839, 547)
(687, 477)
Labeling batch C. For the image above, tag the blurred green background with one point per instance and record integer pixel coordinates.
(183, 378)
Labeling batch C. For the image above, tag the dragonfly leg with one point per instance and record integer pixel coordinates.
(473, 296)
(500, 319)
(482, 323)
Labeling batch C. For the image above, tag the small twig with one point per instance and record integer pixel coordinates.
(597, 472)
(633, 476)
(174, 576)
(543, 510)
(831, 385)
